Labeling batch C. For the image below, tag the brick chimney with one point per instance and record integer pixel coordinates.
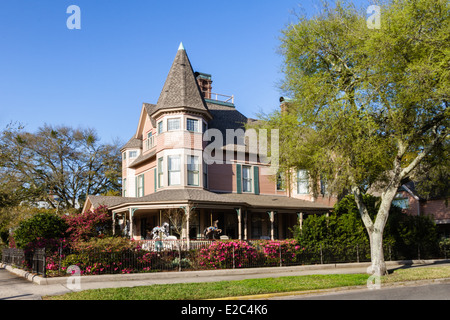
(204, 82)
(284, 104)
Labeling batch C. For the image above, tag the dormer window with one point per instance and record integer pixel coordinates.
(133, 154)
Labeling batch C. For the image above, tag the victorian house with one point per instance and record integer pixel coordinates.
(165, 173)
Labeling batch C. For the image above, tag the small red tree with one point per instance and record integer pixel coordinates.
(90, 224)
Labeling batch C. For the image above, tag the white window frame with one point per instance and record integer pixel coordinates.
(171, 170)
(150, 142)
(302, 181)
(140, 185)
(196, 121)
(170, 121)
(247, 180)
(160, 170)
(194, 170)
(133, 154)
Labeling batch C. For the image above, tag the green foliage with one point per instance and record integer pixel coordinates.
(404, 233)
(57, 160)
(412, 234)
(45, 225)
(107, 244)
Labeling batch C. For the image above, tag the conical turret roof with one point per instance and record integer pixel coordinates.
(181, 89)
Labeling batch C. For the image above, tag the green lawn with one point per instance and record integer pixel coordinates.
(211, 290)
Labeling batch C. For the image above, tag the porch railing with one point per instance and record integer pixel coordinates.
(157, 245)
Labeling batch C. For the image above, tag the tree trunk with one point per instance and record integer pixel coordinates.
(378, 267)
(375, 230)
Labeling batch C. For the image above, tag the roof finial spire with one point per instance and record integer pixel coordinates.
(181, 47)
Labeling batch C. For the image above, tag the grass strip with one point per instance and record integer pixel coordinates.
(221, 289)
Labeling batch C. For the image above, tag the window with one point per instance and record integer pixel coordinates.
(124, 156)
(140, 186)
(192, 171)
(192, 125)
(174, 170)
(160, 172)
(173, 124)
(133, 154)
(124, 187)
(160, 127)
(302, 182)
(246, 179)
(281, 181)
(400, 201)
(150, 142)
(323, 185)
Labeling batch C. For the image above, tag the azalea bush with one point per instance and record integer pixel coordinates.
(227, 254)
(90, 224)
(289, 251)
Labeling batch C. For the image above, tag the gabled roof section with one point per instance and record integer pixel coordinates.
(181, 89)
(133, 143)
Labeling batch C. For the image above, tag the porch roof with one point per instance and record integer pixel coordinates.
(195, 195)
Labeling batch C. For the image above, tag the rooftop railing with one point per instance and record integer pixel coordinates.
(218, 97)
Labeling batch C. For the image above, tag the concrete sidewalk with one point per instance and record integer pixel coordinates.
(18, 284)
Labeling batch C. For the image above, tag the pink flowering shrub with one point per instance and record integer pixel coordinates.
(290, 251)
(219, 255)
(89, 224)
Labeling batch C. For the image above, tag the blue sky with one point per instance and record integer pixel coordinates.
(99, 76)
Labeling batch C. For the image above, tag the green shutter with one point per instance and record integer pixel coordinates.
(238, 178)
(155, 177)
(143, 185)
(256, 178)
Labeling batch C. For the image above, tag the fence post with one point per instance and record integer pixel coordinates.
(357, 253)
(44, 264)
(390, 252)
(60, 257)
(281, 262)
(321, 254)
(233, 259)
(179, 258)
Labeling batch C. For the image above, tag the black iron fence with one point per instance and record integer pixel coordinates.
(155, 256)
(30, 260)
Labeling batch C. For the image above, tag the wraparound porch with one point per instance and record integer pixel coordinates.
(189, 221)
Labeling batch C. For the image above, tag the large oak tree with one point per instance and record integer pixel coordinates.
(368, 105)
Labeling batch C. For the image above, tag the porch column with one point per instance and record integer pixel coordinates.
(132, 210)
(300, 219)
(114, 223)
(187, 210)
(245, 225)
(239, 216)
(272, 219)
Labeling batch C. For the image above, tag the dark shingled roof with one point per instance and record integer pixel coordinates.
(142, 158)
(181, 88)
(204, 196)
(225, 117)
(132, 143)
